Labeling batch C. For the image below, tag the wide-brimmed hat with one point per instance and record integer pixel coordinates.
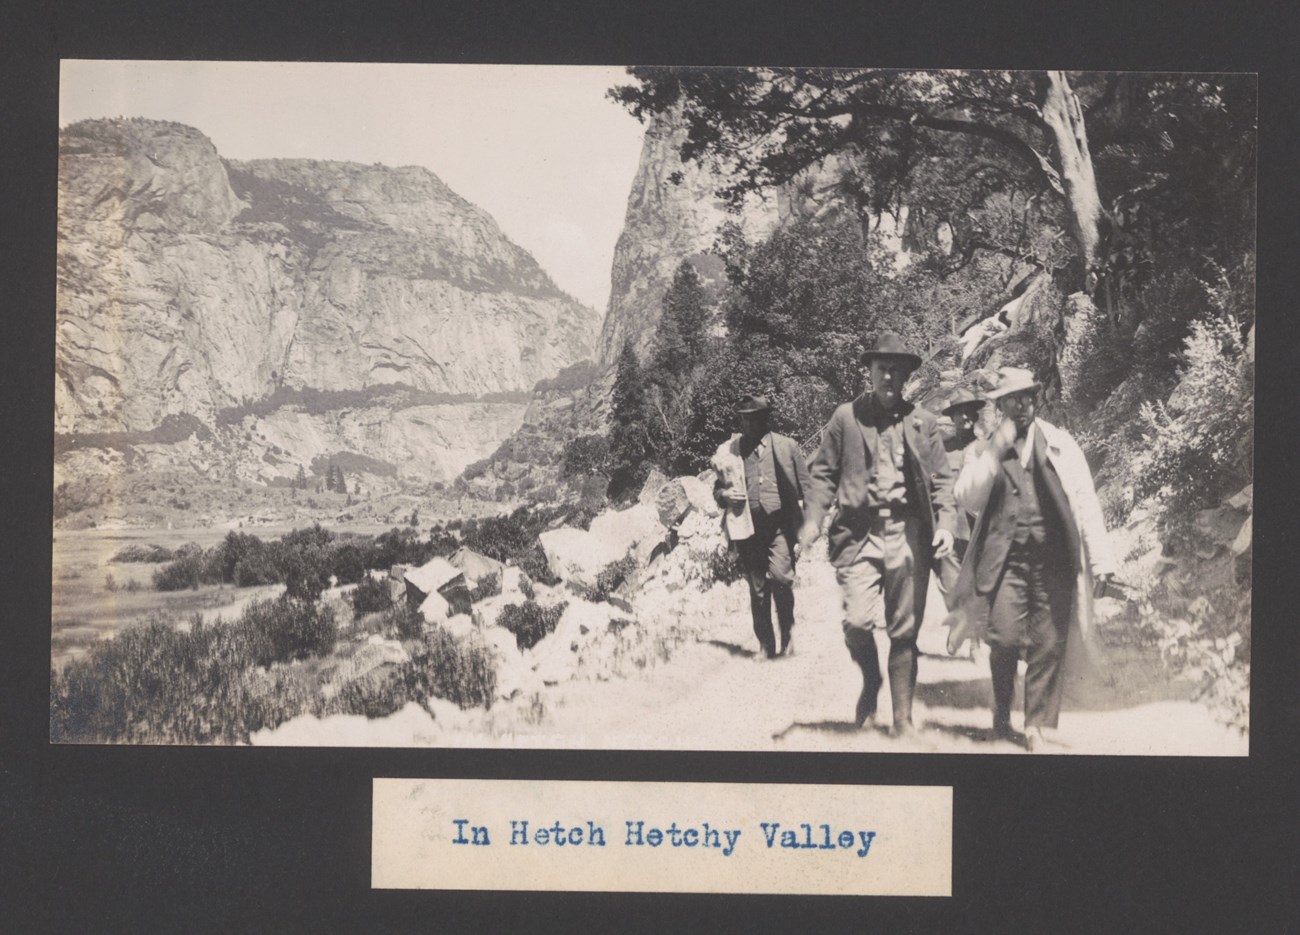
(750, 404)
(963, 397)
(1012, 380)
(889, 346)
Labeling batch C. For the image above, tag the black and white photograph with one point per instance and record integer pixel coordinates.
(765, 409)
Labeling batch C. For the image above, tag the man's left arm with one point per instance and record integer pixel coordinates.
(940, 478)
(1088, 514)
(802, 480)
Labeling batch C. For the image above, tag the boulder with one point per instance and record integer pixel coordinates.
(486, 612)
(459, 626)
(672, 502)
(578, 556)
(574, 555)
(435, 608)
(513, 581)
(371, 656)
(700, 495)
(650, 489)
(557, 656)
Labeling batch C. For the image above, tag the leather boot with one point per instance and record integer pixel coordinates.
(862, 650)
(902, 683)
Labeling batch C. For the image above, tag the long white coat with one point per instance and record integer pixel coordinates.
(1096, 555)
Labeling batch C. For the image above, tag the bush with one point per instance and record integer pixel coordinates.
(154, 683)
(407, 622)
(186, 571)
(371, 595)
(288, 628)
(1199, 444)
(143, 553)
(533, 563)
(460, 671)
(530, 621)
(725, 566)
(488, 586)
(610, 578)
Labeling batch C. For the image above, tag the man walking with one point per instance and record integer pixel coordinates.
(964, 411)
(761, 485)
(883, 460)
(1040, 530)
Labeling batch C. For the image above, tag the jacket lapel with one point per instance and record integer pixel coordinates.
(867, 426)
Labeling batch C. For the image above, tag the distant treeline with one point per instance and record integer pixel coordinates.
(321, 402)
(171, 430)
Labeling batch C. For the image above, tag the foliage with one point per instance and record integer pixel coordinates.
(370, 596)
(725, 566)
(629, 442)
(533, 563)
(610, 578)
(143, 553)
(155, 683)
(584, 456)
(407, 621)
(530, 621)
(488, 586)
(461, 671)
(1199, 445)
(571, 379)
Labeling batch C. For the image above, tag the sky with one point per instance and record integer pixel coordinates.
(539, 147)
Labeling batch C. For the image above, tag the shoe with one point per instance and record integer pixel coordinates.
(1034, 740)
(1002, 730)
(787, 648)
(903, 730)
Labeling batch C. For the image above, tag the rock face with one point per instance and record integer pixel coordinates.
(667, 222)
(194, 286)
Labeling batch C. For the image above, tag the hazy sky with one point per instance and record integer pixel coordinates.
(538, 147)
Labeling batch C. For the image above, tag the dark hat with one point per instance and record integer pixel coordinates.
(890, 346)
(752, 404)
(963, 397)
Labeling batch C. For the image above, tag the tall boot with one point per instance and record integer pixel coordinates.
(1002, 669)
(902, 682)
(862, 650)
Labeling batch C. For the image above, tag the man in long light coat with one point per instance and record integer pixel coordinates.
(1039, 534)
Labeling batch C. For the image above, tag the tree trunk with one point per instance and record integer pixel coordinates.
(1064, 117)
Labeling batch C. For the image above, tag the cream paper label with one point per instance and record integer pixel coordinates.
(691, 837)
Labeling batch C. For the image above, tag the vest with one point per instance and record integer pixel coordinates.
(1023, 501)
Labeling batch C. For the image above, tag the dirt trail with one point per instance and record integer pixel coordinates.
(715, 694)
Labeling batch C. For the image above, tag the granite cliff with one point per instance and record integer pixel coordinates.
(196, 288)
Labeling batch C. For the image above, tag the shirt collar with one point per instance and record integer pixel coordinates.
(1028, 450)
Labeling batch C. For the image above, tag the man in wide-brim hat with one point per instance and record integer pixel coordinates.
(760, 487)
(1039, 534)
(963, 410)
(882, 459)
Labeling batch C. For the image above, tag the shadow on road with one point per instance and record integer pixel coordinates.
(968, 693)
(829, 727)
(732, 648)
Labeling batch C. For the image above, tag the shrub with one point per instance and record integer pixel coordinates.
(288, 628)
(1198, 450)
(186, 571)
(725, 566)
(460, 671)
(371, 595)
(488, 586)
(407, 622)
(610, 578)
(533, 563)
(143, 553)
(530, 621)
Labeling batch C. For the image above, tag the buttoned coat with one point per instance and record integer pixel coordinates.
(845, 466)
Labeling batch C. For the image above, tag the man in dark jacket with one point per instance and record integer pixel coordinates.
(761, 486)
(883, 460)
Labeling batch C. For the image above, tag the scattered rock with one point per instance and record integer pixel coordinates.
(650, 488)
(673, 502)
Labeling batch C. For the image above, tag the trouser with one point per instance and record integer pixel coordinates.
(769, 567)
(947, 568)
(891, 569)
(1030, 613)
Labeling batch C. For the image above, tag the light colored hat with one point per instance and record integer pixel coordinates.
(1012, 380)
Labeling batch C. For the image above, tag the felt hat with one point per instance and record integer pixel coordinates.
(751, 403)
(1012, 380)
(889, 346)
(963, 397)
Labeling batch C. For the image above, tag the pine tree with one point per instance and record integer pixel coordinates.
(300, 482)
(339, 483)
(628, 441)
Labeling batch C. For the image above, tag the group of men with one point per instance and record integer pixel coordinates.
(1010, 525)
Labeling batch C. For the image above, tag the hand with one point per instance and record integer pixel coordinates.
(942, 543)
(736, 496)
(1004, 436)
(808, 534)
(1099, 585)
